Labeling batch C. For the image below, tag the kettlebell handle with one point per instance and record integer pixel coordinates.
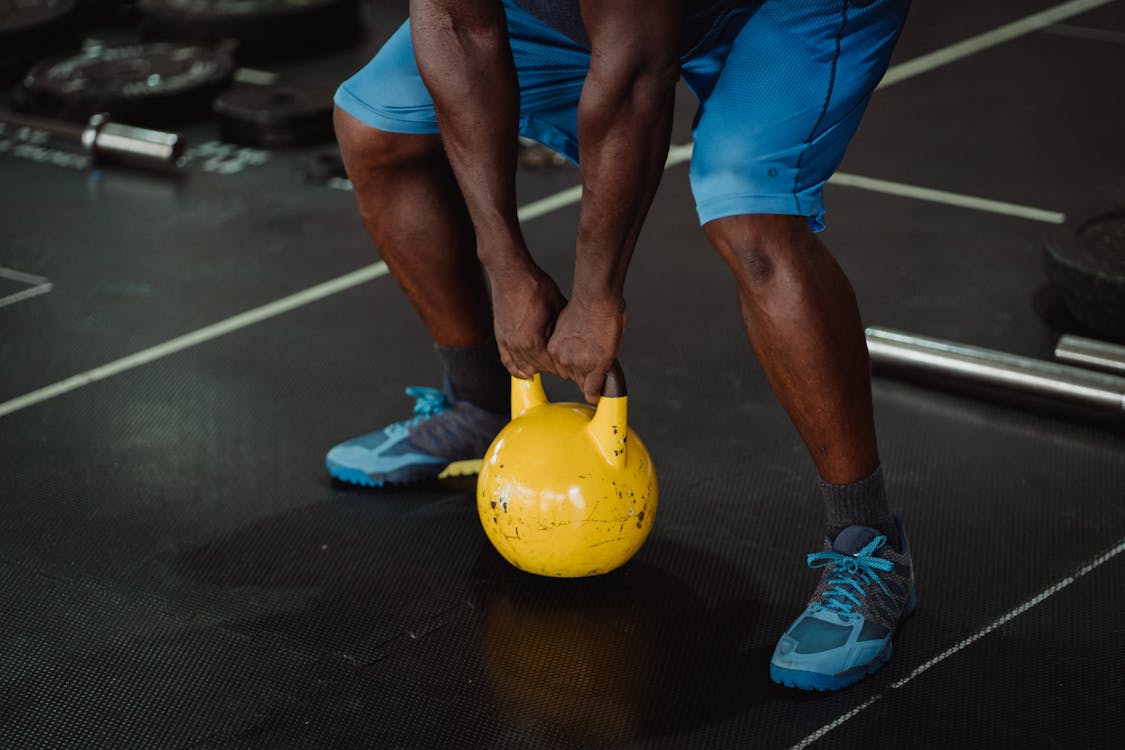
(529, 393)
(614, 382)
(609, 426)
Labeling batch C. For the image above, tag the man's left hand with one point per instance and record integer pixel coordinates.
(585, 341)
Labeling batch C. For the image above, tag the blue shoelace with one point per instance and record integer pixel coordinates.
(429, 402)
(850, 576)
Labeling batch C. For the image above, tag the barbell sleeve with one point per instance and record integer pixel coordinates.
(1085, 352)
(972, 364)
(108, 141)
(128, 144)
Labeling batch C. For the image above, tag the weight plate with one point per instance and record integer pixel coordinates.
(30, 30)
(142, 84)
(321, 167)
(18, 17)
(276, 116)
(110, 12)
(1086, 263)
(264, 29)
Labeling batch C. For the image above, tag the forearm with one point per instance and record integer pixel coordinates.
(465, 59)
(625, 121)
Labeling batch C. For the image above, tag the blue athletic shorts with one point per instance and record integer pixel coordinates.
(782, 85)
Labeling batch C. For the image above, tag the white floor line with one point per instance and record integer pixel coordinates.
(964, 643)
(952, 199)
(1086, 32)
(26, 278)
(676, 155)
(971, 46)
(223, 327)
(680, 154)
(38, 285)
(551, 203)
(535, 209)
(20, 296)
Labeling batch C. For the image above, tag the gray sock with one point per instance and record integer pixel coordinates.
(862, 503)
(463, 432)
(475, 374)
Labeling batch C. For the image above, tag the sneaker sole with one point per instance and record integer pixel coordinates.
(404, 477)
(802, 680)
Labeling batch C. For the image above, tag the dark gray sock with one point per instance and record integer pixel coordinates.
(862, 503)
(475, 374)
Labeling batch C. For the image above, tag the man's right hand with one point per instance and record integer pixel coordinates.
(525, 304)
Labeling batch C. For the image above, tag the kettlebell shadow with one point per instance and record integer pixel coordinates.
(632, 654)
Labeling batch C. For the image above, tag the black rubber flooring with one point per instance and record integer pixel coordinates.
(176, 570)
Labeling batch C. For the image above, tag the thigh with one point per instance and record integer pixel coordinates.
(777, 113)
(389, 94)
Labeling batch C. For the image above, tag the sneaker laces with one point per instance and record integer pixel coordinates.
(429, 402)
(850, 576)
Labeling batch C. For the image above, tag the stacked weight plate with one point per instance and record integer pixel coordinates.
(1086, 263)
(263, 29)
(278, 115)
(29, 29)
(157, 84)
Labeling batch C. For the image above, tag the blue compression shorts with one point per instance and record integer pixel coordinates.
(782, 85)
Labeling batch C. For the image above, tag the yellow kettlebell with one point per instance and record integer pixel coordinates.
(565, 490)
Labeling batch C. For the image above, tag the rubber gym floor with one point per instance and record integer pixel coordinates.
(177, 570)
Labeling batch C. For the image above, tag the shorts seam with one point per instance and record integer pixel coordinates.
(824, 106)
(715, 28)
(380, 113)
(550, 136)
(811, 207)
(742, 196)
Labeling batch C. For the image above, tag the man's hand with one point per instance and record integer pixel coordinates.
(585, 342)
(525, 304)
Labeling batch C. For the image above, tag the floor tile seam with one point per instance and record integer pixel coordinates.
(1045, 594)
(275, 642)
(159, 607)
(99, 588)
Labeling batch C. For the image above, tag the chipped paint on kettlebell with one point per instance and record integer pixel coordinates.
(572, 492)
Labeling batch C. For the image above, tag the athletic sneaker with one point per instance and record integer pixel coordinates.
(867, 588)
(444, 438)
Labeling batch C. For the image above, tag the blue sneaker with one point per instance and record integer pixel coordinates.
(444, 438)
(844, 634)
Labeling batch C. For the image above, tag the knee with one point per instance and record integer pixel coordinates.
(761, 249)
(368, 151)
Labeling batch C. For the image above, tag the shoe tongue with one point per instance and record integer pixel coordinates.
(854, 538)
